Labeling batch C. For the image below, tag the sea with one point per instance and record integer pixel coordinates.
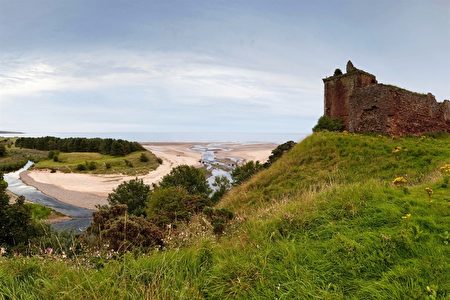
(204, 137)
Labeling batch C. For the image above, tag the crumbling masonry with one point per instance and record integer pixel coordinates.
(364, 105)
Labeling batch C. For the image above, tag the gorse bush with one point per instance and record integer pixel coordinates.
(328, 124)
(245, 171)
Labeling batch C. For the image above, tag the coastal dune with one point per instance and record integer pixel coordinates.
(90, 190)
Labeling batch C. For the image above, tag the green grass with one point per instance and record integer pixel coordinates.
(68, 162)
(16, 158)
(323, 222)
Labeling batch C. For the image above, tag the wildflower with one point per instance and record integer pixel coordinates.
(64, 255)
(49, 251)
(400, 181)
(2, 251)
(407, 216)
(397, 149)
(429, 191)
(446, 169)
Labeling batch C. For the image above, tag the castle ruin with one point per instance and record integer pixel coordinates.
(364, 105)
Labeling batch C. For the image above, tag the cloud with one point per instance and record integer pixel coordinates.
(181, 78)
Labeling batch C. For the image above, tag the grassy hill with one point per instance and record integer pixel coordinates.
(323, 222)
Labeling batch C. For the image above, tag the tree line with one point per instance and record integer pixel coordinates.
(104, 146)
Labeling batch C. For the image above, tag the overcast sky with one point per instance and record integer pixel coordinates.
(195, 66)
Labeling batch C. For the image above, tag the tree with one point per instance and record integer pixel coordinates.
(172, 204)
(222, 185)
(244, 172)
(188, 177)
(133, 193)
(337, 72)
(16, 224)
(143, 158)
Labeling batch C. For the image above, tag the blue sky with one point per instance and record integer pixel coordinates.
(195, 66)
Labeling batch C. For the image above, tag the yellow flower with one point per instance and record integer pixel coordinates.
(397, 149)
(407, 216)
(399, 181)
(446, 169)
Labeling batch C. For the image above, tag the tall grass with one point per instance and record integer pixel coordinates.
(324, 222)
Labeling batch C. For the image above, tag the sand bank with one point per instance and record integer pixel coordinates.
(89, 190)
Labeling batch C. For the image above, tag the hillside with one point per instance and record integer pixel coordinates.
(325, 221)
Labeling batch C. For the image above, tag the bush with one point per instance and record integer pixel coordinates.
(128, 163)
(122, 232)
(219, 218)
(159, 160)
(329, 124)
(91, 165)
(55, 158)
(2, 150)
(278, 152)
(188, 177)
(108, 165)
(16, 223)
(81, 167)
(143, 158)
(133, 193)
(337, 72)
(173, 204)
(244, 172)
(222, 185)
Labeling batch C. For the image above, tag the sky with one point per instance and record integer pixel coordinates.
(206, 66)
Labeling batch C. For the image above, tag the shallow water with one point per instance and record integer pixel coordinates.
(81, 217)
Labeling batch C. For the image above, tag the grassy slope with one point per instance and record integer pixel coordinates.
(323, 222)
(68, 163)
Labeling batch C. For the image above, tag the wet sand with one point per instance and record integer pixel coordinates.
(89, 190)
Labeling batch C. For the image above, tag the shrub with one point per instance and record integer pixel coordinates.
(173, 204)
(159, 160)
(122, 232)
(91, 165)
(279, 151)
(108, 165)
(188, 177)
(143, 158)
(133, 193)
(2, 150)
(329, 124)
(337, 72)
(55, 158)
(81, 167)
(222, 185)
(244, 172)
(219, 218)
(128, 163)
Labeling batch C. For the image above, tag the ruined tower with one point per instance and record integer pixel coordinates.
(364, 105)
(339, 88)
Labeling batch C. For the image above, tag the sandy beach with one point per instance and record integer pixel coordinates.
(89, 190)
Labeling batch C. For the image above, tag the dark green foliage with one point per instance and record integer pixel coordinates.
(219, 218)
(81, 167)
(91, 165)
(172, 204)
(190, 178)
(55, 158)
(329, 124)
(222, 185)
(244, 172)
(337, 72)
(17, 227)
(143, 157)
(123, 232)
(279, 151)
(133, 193)
(2, 150)
(159, 160)
(108, 165)
(104, 146)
